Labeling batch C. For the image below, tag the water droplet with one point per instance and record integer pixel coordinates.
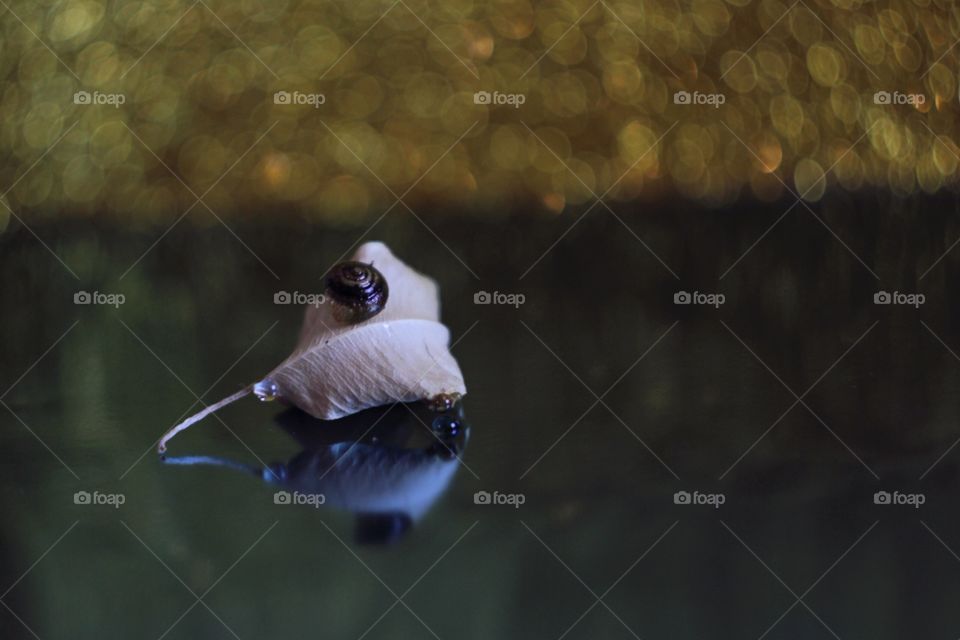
(266, 390)
(446, 426)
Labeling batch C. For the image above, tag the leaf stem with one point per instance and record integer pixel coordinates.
(197, 417)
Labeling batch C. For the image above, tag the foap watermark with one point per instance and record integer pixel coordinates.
(712, 99)
(299, 98)
(497, 99)
(895, 97)
(99, 499)
(910, 299)
(896, 498)
(311, 499)
(710, 299)
(112, 99)
(700, 499)
(509, 299)
(512, 499)
(297, 297)
(97, 297)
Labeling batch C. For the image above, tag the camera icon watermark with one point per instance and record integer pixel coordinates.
(97, 98)
(299, 298)
(687, 98)
(907, 299)
(915, 500)
(895, 97)
(497, 498)
(314, 500)
(697, 498)
(709, 299)
(299, 98)
(508, 299)
(96, 498)
(96, 297)
(497, 99)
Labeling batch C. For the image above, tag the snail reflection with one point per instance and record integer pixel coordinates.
(386, 465)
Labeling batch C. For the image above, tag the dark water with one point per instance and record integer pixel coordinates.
(595, 402)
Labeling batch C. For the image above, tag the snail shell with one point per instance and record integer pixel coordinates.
(358, 291)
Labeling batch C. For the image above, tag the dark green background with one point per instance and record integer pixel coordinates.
(598, 499)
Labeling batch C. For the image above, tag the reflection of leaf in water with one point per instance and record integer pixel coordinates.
(388, 466)
(399, 355)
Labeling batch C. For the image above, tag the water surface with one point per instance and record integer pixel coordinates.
(597, 400)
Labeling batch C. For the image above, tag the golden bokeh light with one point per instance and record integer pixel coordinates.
(333, 110)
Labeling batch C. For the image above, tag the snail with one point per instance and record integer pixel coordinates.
(358, 290)
(365, 345)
